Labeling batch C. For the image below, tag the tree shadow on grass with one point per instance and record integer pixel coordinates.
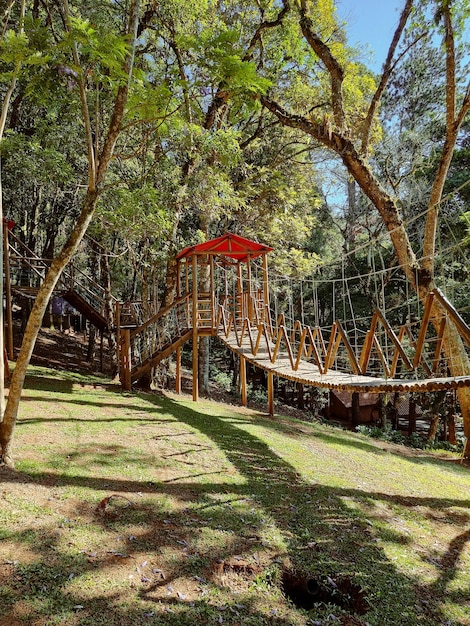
(322, 535)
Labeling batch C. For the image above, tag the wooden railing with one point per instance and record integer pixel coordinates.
(156, 338)
(303, 343)
(28, 270)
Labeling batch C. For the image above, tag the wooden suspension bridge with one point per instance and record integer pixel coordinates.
(240, 316)
(231, 308)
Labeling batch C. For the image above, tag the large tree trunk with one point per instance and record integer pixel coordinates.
(34, 324)
(334, 133)
(97, 169)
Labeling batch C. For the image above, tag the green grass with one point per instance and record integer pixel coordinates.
(196, 487)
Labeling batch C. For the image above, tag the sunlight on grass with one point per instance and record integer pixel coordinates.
(137, 508)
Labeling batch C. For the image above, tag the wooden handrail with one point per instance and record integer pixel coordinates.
(160, 314)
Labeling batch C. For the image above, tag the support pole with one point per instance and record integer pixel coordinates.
(271, 394)
(250, 312)
(195, 333)
(412, 417)
(178, 278)
(118, 333)
(239, 308)
(355, 409)
(212, 292)
(178, 371)
(126, 360)
(243, 380)
(266, 308)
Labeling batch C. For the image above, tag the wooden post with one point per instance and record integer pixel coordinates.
(178, 371)
(248, 289)
(126, 360)
(212, 292)
(243, 380)
(118, 333)
(266, 295)
(355, 409)
(412, 416)
(195, 334)
(178, 278)
(187, 289)
(271, 394)
(239, 295)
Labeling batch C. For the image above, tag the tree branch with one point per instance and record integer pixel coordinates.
(386, 72)
(334, 68)
(84, 105)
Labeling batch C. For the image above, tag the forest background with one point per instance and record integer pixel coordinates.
(153, 126)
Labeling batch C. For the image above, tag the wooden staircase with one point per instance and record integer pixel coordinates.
(26, 272)
(143, 347)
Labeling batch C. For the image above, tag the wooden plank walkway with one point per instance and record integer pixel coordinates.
(308, 373)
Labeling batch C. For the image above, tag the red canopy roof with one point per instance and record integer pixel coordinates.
(228, 245)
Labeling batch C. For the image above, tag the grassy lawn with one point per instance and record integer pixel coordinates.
(129, 509)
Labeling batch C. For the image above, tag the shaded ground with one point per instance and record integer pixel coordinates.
(141, 508)
(66, 351)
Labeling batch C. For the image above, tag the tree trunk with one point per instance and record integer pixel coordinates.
(91, 351)
(34, 324)
(433, 429)
(96, 176)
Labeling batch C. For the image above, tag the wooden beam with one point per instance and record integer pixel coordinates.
(266, 293)
(126, 360)
(351, 354)
(243, 389)
(250, 311)
(212, 292)
(463, 329)
(440, 341)
(332, 347)
(178, 278)
(381, 354)
(367, 347)
(239, 297)
(390, 332)
(270, 376)
(178, 370)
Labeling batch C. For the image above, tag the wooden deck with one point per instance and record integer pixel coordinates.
(309, 374)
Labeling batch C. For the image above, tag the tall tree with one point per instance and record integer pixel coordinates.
(334, 123)
(84, 43)
(8, 37)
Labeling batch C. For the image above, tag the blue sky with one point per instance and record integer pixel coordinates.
(371, 23)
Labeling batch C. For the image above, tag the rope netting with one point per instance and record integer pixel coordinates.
(368, 278)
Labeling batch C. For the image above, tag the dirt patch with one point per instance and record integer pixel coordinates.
(305, 591)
